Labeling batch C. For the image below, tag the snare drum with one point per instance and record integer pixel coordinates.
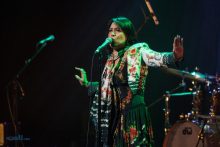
(184, 134)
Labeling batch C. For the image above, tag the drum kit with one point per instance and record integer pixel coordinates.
(200, 127)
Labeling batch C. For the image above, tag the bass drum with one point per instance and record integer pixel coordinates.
(184, 134)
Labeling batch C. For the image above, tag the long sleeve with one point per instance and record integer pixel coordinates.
(153, 58)
(136, 70)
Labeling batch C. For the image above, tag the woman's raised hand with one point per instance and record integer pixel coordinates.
(178, 48)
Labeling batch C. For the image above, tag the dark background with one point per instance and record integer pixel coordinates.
(54, 111)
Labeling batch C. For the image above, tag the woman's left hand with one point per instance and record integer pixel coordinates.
(178, 48)
(83, 78)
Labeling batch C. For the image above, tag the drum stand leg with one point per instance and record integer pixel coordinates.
(167, 125)
(201, 135)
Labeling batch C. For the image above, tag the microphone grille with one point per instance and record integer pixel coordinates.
(109, 39)
(52, 37)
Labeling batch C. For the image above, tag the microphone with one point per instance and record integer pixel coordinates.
(104, 44)
(156, 21)
(49, 38)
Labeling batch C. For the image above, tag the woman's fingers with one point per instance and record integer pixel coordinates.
(77, 68)
(79, 79)
(178, 47)
(178, 41)
(81, 70)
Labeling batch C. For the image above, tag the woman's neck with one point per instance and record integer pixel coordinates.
(115, 53)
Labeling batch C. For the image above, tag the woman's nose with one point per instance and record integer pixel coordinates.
(113, 33)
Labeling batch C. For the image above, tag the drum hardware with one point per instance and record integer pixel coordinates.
(200, 127)
(183, 93)
(166, 110)
(196, 101)
(211, 119)
(211, 97)
(201, 135)
(189, 116)
(197, 78)
(186, 117)
(215, 103)
(166, 114)
(194, 129)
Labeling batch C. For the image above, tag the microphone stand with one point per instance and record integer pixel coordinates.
(29, 60)
(14, 89)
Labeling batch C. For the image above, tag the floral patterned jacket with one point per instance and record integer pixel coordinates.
(135, 61)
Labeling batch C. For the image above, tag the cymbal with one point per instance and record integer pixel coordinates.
(204, 76)
(185, 74)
